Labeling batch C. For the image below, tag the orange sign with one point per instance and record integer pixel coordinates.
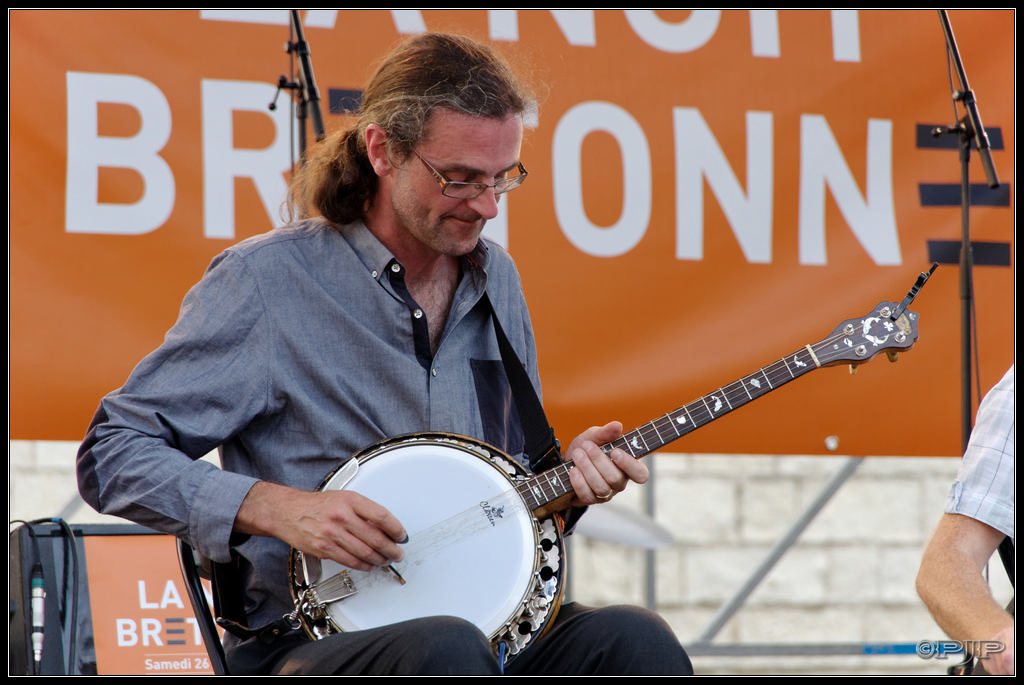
(142, 620)
(709, 191)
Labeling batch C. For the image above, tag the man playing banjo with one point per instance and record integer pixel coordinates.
(367, 317)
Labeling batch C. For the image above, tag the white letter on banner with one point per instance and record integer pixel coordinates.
(222, 163)
(684, 36)
(496, 229)
(143, 604)
(698, 156)
(577, 26)
(568, 185)
(409, 21)
(274, 17)
(151, 628)
(406, 21)
(845, 36)
(88, 151)
(127, 634)
(821, 163)
(764, 33)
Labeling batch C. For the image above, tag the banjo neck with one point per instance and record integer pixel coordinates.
(550, 490)
(853, 342)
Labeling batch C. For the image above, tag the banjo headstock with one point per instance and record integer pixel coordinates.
(855, 341)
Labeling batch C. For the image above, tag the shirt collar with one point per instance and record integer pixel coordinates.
(377, 258)
(370, 251)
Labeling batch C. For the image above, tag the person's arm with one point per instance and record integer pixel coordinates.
(952, 586)
(340, 525)
(142, 456)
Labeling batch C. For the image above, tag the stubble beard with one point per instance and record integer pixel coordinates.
(447, 234)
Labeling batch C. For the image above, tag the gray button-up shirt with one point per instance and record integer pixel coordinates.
(298, 348)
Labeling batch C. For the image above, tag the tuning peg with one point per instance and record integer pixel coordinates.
(892, 355)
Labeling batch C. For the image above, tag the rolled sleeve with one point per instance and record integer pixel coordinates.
(985, 487)
(212, 520)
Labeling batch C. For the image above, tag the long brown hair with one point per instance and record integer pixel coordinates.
(425, 72)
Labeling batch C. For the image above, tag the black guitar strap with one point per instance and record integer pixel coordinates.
(1006, 555)
(541, 445)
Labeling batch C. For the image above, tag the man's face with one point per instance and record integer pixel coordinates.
(461, 148)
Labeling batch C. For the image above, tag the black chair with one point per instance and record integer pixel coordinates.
(191, 571)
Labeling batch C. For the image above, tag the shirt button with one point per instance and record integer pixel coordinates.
(374, 273)
(433, 372)
(396, 268)
(418, 313)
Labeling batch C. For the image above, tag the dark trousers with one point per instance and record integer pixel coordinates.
(619, 640)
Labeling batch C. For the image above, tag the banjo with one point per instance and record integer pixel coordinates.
(487, 544)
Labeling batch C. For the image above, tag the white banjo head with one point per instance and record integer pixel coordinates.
(475, 551)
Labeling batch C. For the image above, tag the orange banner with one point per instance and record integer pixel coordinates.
(142, 620)
(709, 191)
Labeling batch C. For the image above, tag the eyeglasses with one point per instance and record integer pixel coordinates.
(465, 190)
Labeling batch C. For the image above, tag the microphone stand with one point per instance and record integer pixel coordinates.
(968, 129)
(307, 98)
(309, 94)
